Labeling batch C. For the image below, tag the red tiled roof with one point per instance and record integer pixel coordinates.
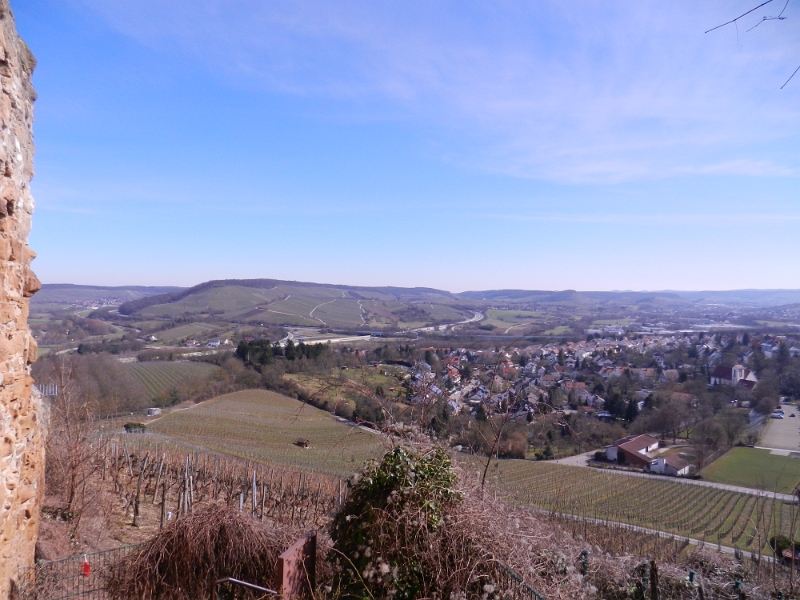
(635, 443)
(676, 462)
(721, 372)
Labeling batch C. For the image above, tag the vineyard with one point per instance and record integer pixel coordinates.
(158, 377)
(744, 521)
(266, 427)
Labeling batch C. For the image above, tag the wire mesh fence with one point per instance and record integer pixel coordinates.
(81, 576)
(513, 586)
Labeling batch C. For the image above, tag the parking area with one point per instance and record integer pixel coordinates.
(782, 433)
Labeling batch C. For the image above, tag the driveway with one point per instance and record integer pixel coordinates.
(783, 434)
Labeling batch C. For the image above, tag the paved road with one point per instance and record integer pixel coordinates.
(580, 460)
(783, 433)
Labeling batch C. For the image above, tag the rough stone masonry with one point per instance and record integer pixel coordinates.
(21, 443)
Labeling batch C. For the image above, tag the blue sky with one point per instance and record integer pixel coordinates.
(498, 144)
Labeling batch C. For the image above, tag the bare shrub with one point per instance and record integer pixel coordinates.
(185, 559)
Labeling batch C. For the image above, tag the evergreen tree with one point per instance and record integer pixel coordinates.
(632, 411)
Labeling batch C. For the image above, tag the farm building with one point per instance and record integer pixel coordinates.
(633, 450)
(670, 465)
(153, 412)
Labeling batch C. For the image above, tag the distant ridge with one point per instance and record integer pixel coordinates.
(66, 293)
(567, 296)
(135, 288)
(138, 298)
(129, 308)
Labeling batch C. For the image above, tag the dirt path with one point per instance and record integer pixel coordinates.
(363, 311)
(515, 326)
(311, 314)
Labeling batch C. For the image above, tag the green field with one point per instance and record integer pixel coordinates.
(264, 426)
(158, 377)
(199, 331)
(700, 512)
(560, 330)
(755, 468)
(515, 319)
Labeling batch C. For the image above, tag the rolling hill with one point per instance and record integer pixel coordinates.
(274, 302)
(66, 295)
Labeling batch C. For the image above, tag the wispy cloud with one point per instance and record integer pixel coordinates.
(586, 91)
(721, 220)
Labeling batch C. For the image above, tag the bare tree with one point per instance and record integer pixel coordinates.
(764, 18)
(72, 446)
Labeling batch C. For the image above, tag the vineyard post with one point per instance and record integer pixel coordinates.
(317, 501)
(142, 469)
(653, 580)
(280, 496)
(128, 459)
(158, 478)
(116, 469)
(163, 505)
(263, 497)
(644, 568)
(254, 500)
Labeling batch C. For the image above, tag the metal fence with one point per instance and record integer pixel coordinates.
(513, 586)
(81, 576)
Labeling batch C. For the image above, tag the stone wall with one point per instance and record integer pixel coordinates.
(21, 444)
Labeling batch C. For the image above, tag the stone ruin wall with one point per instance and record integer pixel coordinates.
(21, 443)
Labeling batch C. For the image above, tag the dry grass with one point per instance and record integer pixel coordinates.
(186, 558)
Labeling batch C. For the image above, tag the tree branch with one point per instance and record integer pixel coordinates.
(742, 15)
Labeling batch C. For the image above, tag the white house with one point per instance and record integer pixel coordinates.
(670, 465)
(632, 450)
(735, 375)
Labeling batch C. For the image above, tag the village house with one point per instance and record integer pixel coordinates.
(733, 376)
(670, 465)
(633, 450)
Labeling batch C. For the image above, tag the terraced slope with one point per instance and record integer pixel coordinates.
(264, 426)
(732, 519)
(158, 377)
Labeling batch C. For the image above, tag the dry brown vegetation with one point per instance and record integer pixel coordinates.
(184, 560)
(480, 532)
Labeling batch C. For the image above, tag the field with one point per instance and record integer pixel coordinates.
(158, 377)
(512, 320)
(730, 518)
(201, 331)
(755, 468)
(330, 388)
(560, 330)
(264, 426)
